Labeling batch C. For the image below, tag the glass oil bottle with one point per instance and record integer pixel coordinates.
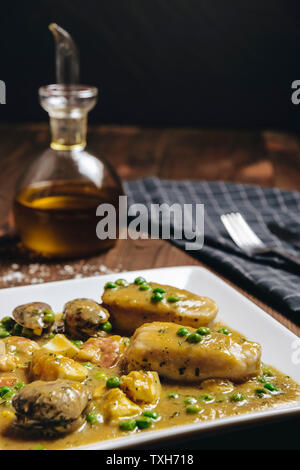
(56, 198)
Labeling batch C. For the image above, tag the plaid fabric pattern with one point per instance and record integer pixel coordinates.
(268, 276)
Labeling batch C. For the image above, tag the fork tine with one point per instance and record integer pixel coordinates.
(248, 230)
(244, 241)
(240, 232)
(226, 220)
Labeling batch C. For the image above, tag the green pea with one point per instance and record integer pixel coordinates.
(194, 338)
(38, 447)
(173, 395)
(151, 414)
(157, 297)
(78, 342)
(271, 387)
(4, 333)
(19, 385)
(128, 425)
(144, 287)
(113, 382)
(206, 397)
(260, 392)
(193, 409)
(88, 365)
(182, 332)
(143, 422)
(203, 330)
(17, 329)
(110, 285)
(92, 418)
(52, 335)
(237, 396)
(6, 392)
(100, 375)
(159, 290)
(173, 298)
(224, 331)
(7, 323)
(121, 282)
(49, 316)
(106, 326)
(189, 401)
(140, 280)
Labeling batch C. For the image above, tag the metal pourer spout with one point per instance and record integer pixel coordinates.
(67, 57)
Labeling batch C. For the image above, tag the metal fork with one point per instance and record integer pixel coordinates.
(248, 241)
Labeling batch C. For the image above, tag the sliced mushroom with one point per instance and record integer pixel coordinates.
(51, 408)
(35, 316)
(84, 318)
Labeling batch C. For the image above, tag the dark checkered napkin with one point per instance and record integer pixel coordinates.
(266, 275)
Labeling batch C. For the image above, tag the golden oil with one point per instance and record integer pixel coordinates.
(58, 219)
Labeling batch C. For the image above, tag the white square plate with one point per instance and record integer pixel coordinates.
(234, 309)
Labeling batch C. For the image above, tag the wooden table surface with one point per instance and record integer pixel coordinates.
(261, 157)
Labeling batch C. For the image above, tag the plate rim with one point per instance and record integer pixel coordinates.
(216, 425)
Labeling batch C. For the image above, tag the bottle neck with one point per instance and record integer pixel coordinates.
(68, 133)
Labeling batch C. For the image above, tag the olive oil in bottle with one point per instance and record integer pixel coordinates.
(58, 219)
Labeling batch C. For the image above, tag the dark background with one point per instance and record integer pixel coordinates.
(160, 62)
